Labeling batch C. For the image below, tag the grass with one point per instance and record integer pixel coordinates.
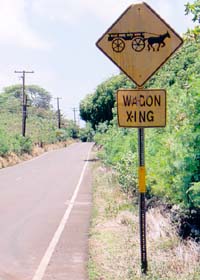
(114, 238)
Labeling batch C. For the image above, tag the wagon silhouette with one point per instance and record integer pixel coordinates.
(138, 40)
(118, 40)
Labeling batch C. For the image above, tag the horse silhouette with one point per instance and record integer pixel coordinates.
(157, 41)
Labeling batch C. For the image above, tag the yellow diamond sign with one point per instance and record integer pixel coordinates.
(139, 42)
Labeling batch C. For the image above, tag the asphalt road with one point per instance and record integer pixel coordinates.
(45, 208)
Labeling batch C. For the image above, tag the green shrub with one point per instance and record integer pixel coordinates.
(194, 194)
(23, 144)
(4, 143)
(16, 146)
(72, 131)
(61, 135)
(86, 134)
(127, 174)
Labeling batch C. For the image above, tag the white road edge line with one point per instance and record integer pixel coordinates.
(52, 245)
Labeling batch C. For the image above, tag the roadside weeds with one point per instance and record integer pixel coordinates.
(114, 244)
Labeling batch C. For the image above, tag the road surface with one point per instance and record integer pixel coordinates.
(44, 216)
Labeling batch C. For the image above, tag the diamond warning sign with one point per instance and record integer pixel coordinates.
(139, 42)
(141, 108)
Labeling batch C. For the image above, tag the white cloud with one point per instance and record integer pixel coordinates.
(107, 11)
(60, 10)
(14, 28)
(72, 11)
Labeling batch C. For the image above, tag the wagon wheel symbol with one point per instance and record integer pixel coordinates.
(118, 45)
(138, 44)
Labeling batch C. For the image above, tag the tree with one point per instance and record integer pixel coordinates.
(14, 90)
(37, 96)
(98, 107)
(194, 9)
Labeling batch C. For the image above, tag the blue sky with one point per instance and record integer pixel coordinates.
(56, 39)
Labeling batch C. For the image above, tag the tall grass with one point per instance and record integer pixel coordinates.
(114, 238)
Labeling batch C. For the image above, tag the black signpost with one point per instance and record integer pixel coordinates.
(142, 203)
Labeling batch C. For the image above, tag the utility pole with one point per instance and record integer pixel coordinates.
(74, 110)
(58, 111)
(24, 100)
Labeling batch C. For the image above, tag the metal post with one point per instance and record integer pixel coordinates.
(142, 204)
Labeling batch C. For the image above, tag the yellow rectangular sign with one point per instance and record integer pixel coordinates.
(141, 108)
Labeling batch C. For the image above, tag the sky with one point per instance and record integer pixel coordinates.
(56, 39)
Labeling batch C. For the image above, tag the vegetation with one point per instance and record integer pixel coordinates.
(194, 9)
(37, 96)
(114, 238)
(97, 108)
(173, 178)
(172, 153)
(41, 122)
(173, 159)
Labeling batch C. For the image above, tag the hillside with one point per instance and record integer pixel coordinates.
(41, 121)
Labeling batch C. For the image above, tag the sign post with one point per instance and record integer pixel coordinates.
(142, 203)
(139, 42)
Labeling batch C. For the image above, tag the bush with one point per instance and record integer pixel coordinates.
(4, 146)
(21, 144)
(116, 143)
(72, 131)
(86, 134)
(126, 170)
(194, 194)
(61, 135)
